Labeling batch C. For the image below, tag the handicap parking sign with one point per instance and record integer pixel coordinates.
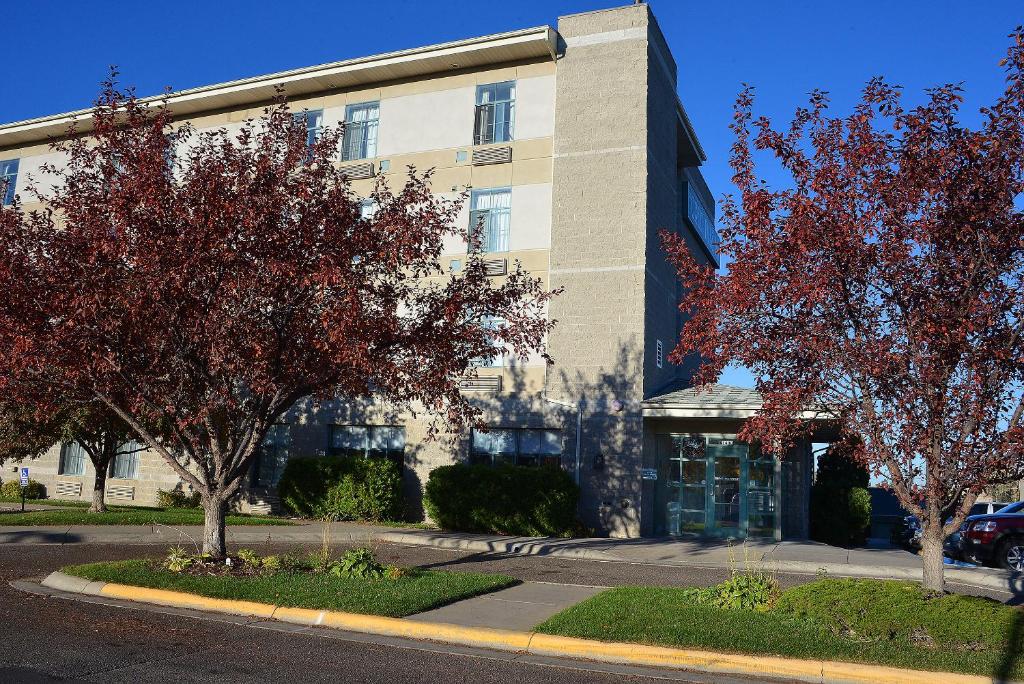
(24, 477)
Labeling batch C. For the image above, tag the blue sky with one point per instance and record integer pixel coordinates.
(784, 48)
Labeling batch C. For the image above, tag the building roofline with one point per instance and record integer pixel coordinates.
(691, 133)
(538, 42)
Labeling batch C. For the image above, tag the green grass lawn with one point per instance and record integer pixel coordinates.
(46, 502)
(128, 515)
(415, 592)
(874, 621)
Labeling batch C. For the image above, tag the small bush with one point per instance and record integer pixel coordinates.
(177, 498)
(358, 563)
(840, 501)
(743, 591)
(534, 502)
(12, 490)
(342, 488)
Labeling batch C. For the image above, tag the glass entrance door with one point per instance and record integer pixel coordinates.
(726, 498)
(715, 486)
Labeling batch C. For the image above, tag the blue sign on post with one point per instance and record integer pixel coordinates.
(24, 477)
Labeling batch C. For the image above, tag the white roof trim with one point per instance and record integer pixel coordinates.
(537, 42)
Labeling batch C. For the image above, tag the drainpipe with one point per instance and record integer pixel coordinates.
(579, 428)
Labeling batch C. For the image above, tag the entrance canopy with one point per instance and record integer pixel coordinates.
(710, 483)
(724, 402)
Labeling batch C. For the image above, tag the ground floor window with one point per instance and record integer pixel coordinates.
(272, 456)
(72, 459)
(519, 446)
(716, 486)
(125, 465)
(368, 441)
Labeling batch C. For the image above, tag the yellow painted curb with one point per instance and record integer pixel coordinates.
(549, 645)
(180, 599)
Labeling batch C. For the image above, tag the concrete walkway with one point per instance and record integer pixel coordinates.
(802, 557)
(520, 608)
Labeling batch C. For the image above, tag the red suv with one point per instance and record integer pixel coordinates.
(996, 539)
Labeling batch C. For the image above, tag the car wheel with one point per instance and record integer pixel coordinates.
(1011, 554)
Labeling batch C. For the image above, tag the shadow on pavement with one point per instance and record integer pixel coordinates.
(38, 537)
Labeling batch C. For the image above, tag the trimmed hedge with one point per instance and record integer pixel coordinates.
(505, 499)
(12, 490)
(342, 488)
(840, 501)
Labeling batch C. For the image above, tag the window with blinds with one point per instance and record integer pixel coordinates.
(72, 459)
(490, 217)
(125, 465)
(360, 138)
(313, 120)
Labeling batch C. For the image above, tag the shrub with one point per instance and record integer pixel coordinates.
(743, 591)
(840, 501)
(177, 498)
(12, 490)
(519, 500)
(342, 488)
(357, 563)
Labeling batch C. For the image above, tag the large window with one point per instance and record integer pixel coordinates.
(490, 217)
(313, 120)
(125, 465)
(272, 456)
(360, 138)
(519, 446)
(8, 179)
(368, 441)
(72, 459)
(495, 113)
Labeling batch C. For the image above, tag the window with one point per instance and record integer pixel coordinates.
(8, 179)
(125, 465)
(272, 456)
(518, 446)
(490, 215)
(360, 138)
(497, 359)
(313, 121)
(72, 459)
(700, 221)
(367, 209)
(368, 441)
(495, 113)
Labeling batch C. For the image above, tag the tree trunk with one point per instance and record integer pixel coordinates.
(931, 555)
(215, 509)
(99, 489)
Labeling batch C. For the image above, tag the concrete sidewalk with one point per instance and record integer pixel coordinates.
(801, 557)
(520, 608)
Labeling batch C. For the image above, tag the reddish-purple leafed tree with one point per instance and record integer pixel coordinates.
(200, 283)
(882, 288)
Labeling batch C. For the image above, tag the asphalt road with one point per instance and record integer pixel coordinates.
(44, 639)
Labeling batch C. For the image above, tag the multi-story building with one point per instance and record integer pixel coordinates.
(575, 151)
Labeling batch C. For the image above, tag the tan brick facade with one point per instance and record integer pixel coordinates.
(606, 150)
